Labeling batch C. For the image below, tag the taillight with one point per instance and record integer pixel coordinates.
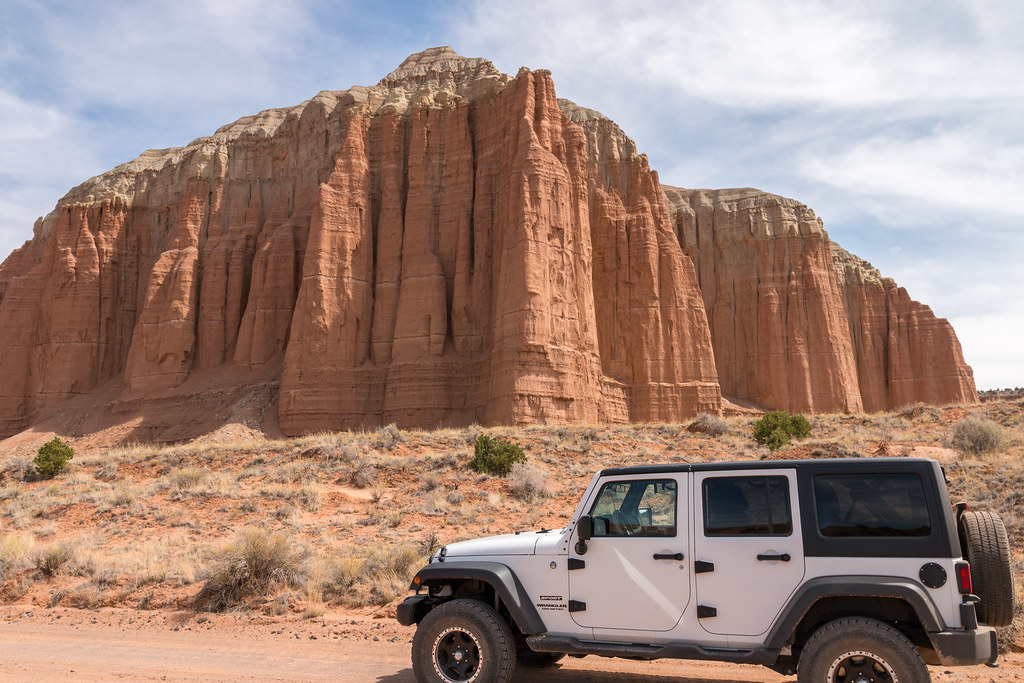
(963, 578)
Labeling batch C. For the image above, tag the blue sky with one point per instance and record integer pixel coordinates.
(900, 123)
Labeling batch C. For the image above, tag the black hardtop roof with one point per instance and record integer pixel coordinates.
(852, 464)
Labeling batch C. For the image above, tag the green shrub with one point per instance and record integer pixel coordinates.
(52, 458)
(777, 429)
(975, 435)
(495, 456)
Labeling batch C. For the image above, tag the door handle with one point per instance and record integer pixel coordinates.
(668, 556)
(784, 557)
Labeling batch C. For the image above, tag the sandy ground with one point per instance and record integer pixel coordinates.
(107, 645)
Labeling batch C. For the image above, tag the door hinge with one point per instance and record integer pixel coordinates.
(577, 606)
(702, 567)
(703, 611)
(576, 563)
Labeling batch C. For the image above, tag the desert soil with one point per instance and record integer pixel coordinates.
(64, 644)
(140, 529)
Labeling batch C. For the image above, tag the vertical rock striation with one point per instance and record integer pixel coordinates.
(904, 352)
(798, 323)
(652, 328)
(464, 290)
(777, 322)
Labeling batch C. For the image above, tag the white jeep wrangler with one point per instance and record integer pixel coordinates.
(842, 571)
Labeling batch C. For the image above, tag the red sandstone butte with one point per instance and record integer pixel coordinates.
(800, 324)
(450, 246)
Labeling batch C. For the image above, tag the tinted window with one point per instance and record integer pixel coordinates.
(747, 506)
(635, 508)
(871, 505)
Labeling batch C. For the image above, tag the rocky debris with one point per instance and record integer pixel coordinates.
(452, 245)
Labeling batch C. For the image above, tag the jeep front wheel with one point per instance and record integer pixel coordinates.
(463, 641)
(859, 650)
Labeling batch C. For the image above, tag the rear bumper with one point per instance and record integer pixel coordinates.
(977, 646)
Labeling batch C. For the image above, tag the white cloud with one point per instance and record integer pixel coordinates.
(175, 53)
(84, 87)
(761, 55)
(961, 169)
(23, 120)
(994, 344)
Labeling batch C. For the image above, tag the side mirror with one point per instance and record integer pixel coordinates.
(585, 528)
(584, 531)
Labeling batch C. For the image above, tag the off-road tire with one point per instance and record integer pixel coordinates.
(537, 660)
(463, 641)
(841, 649)
(987, 549)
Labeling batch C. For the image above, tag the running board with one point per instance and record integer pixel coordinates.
(575, 646)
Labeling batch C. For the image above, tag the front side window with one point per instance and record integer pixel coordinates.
(871, 505)
(635, 508)
(747, 506)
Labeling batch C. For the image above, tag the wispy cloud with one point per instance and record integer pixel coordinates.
(964, 169)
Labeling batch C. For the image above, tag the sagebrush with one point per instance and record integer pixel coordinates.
(975, 435)
(709, 424)
(250, 566)
(529, 482)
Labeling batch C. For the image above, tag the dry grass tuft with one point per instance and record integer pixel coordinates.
(52, 559)
(250, 566)
(529, 482)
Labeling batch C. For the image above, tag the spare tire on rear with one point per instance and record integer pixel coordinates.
(987, 549)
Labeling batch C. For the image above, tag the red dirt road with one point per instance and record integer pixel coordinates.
(76, 648)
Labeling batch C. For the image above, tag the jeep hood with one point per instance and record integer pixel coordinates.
(522, 543)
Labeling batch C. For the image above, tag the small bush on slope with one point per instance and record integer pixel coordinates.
(777, 428)
(496, 456)
(53, 458)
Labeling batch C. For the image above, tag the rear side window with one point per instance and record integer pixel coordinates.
(871, 505)
(747, 506)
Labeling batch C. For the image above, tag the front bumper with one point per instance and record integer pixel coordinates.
(976, 646)
(411, 610)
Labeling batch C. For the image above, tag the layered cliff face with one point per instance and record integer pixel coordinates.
(903, 350)
(450, 246)
(419, 252)
(799, 324)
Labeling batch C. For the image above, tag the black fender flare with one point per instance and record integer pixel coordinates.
(502, 579)
(900, 588)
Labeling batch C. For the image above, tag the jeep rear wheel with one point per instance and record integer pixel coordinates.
(463, 641)
(859, 650)
(987, 549)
